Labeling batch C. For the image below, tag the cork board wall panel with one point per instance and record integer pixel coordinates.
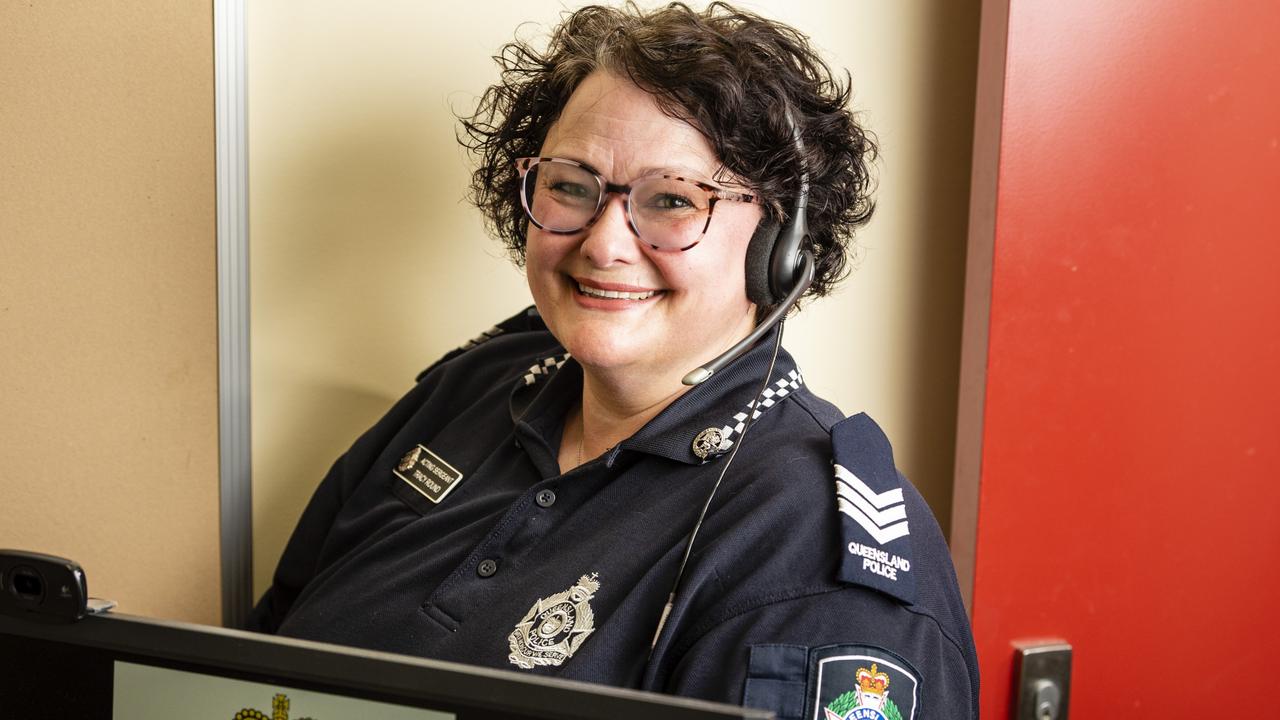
(108, 306)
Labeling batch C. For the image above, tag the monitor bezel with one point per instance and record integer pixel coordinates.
(363, 672)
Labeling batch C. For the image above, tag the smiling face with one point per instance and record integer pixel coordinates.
(614, 302)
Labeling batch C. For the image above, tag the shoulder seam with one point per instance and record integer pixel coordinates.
(517, 324)
(758, 602)
(780, 597)
(800, 398)
(499, 344)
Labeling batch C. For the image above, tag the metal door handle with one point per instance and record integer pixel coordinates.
(1044, 679)
(1046, 700)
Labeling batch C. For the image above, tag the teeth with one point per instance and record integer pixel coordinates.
(614, 294)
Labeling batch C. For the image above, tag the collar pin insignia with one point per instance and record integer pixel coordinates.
(711, 441)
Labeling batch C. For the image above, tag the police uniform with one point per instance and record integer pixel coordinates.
(815, 589)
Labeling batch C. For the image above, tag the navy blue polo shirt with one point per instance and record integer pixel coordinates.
(448, 531)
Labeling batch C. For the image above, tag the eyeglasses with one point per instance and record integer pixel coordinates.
(668, 212)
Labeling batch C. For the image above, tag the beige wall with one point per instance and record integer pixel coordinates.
(367, 264)
(108, 338)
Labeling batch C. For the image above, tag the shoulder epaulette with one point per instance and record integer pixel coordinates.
(875, 546)
(527, 320)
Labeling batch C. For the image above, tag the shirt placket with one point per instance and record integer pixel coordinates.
(490, 585)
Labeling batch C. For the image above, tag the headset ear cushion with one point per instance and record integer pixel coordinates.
(759, 262)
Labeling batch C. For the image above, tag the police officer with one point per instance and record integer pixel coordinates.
(563, 496)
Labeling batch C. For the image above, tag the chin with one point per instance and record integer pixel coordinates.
(609, 354)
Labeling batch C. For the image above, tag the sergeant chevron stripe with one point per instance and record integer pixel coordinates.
(883, 515)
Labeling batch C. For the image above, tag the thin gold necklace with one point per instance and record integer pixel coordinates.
(582, 434)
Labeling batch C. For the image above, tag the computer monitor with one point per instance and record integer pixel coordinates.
(118, 667)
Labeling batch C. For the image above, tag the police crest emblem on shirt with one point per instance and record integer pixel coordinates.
(864, 683)
(555, 627)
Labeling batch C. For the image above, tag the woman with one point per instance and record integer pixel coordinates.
(554, 499)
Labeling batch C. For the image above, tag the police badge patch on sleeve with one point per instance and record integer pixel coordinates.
(876, 542)
(861, 682)
(555, 627)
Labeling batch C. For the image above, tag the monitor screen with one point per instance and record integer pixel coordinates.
(115, 667)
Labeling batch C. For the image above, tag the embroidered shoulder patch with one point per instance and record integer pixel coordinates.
(860, 682)
(876, 540)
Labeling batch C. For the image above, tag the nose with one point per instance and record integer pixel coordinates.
(610, 239)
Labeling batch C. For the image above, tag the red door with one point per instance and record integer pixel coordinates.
(1118, 477)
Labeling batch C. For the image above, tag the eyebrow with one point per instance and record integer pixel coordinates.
(684, 171)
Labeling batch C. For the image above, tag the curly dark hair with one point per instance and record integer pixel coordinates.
(731, 74)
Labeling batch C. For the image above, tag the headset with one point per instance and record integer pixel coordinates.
(779, 269)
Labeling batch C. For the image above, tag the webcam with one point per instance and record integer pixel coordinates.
(44, 588)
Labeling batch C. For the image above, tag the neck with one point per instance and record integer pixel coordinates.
(607, 415)
(617, 402)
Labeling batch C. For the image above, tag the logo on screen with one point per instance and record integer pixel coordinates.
(279, 711)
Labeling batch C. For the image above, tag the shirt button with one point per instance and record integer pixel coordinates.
(545, 498)
(487, 568)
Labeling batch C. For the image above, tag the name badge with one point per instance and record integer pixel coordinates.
(427, 473)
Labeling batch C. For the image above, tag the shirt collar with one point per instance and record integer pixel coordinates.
(714, 413)
(540, 397)
(698, 427)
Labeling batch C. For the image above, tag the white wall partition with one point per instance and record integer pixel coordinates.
(368, 264)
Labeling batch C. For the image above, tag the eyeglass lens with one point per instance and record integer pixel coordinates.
(668, 213)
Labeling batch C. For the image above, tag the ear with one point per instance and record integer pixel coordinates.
(759, 261)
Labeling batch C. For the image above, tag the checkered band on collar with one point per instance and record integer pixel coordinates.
(784, 386)
(544, 368)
